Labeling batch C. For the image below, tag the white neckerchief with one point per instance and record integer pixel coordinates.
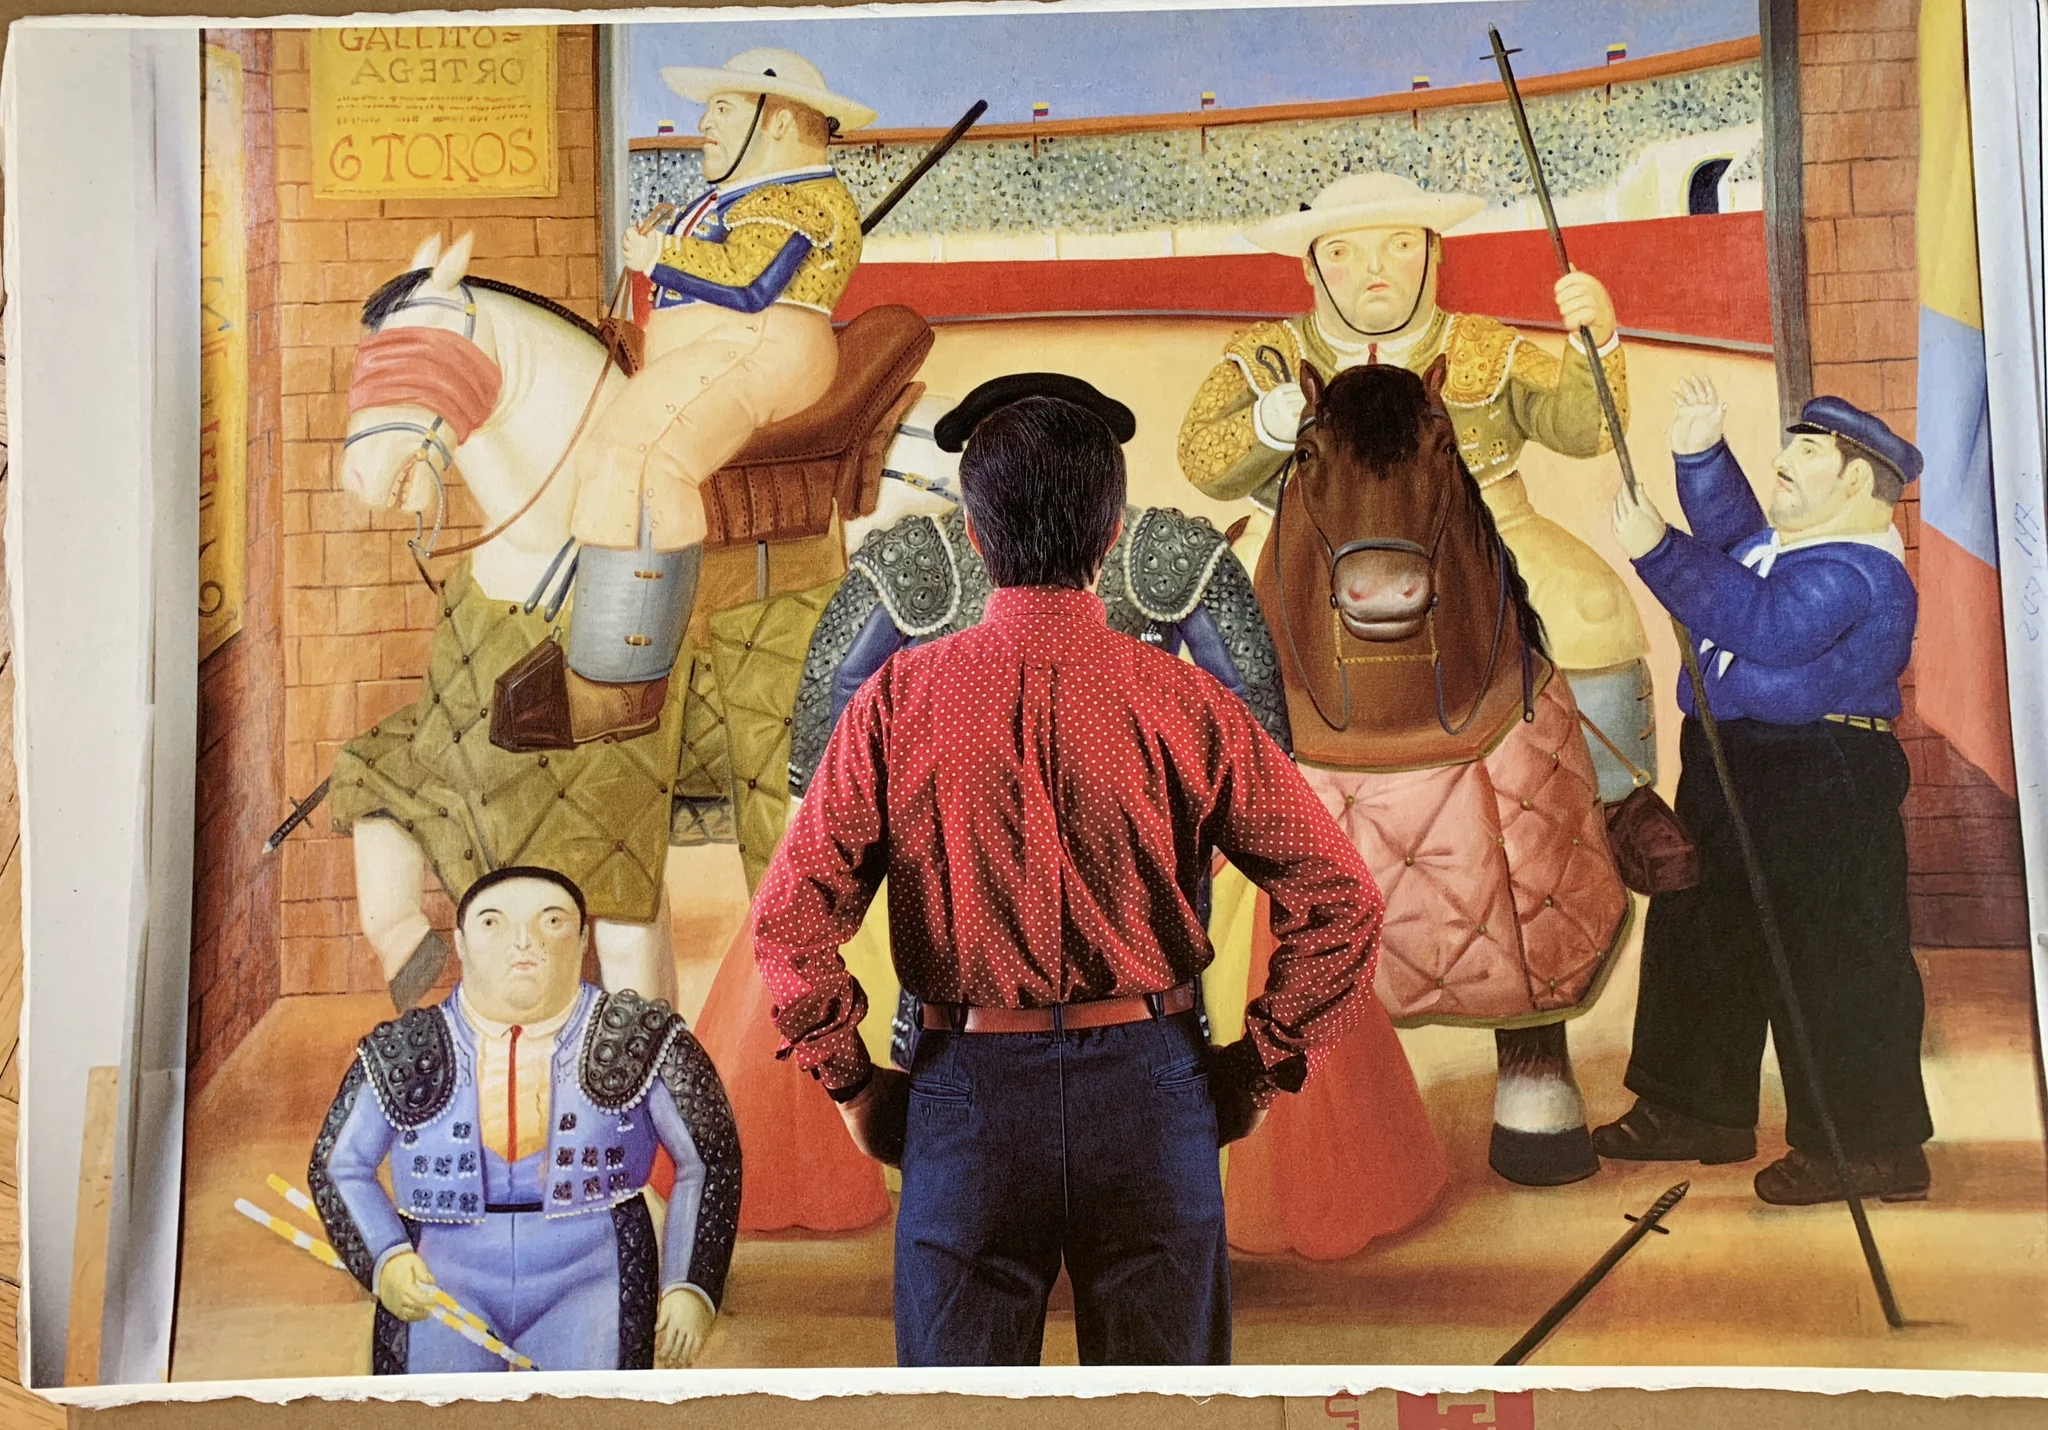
(1393, 351)
(1763, 556)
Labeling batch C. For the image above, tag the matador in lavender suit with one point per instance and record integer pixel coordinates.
(520, 1119)
(744, 279)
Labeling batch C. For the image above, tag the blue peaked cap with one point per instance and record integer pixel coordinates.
(1838, 418)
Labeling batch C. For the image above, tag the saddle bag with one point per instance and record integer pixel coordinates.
(1653, 850)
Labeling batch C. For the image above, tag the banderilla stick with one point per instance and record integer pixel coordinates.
(446, 1309)
(1759, 886)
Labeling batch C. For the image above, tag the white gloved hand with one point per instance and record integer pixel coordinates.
(1278, 416)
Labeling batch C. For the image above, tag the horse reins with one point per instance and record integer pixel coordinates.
(1434, 655)
(431, 441)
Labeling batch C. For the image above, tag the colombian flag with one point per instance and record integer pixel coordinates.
(1960, 657)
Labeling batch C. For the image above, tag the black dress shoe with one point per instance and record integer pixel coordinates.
(1800, 1180)
(1650, 1133)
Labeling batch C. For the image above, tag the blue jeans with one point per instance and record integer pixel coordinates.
(1096, 1148)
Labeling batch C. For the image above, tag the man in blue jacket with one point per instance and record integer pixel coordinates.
(1803, 619)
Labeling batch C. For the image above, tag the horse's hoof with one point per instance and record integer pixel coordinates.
(1542, 1159)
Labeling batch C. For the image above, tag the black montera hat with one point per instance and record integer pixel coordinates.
(957, 426)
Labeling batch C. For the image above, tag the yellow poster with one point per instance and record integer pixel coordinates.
(223, 353)
(434, 111)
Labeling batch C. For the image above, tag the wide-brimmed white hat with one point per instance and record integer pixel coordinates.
(1363, 201)
(782, 73)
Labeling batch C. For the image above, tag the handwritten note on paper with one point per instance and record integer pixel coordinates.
(434, 111)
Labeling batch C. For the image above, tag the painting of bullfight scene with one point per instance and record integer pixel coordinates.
(1142, 687)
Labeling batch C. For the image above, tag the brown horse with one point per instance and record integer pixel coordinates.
(1428, 717)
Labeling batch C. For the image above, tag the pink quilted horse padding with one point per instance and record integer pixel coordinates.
(1502, 896)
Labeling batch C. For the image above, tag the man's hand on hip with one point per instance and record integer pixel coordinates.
(1237, 1116)
(1231, 1070)
(879, 1115)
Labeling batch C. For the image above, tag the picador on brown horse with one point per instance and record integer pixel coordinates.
(1427, 714)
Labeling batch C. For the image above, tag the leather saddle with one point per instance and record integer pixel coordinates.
(786, 481)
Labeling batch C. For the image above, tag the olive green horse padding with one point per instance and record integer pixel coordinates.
(600, 814)
(757, 656)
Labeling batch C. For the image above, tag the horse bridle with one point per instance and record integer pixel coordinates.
(1434, 656)
(431, 440)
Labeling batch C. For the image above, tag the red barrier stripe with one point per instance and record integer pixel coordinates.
(1701, 277)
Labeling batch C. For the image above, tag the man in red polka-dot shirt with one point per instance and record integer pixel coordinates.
(1043, 795)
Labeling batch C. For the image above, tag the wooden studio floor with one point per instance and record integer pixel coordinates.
(1736, 1283)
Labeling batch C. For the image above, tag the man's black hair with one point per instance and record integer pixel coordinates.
(1043, 482)
(1887, 483)
(523, 871)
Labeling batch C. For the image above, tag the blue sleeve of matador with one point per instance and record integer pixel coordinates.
(1205, 644)
(878, 640)
(694, 1121)
(362, 1226)
(751, 298)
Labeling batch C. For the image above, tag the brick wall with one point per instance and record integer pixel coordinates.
(241, 702)
(1859, 93)
(357, 619)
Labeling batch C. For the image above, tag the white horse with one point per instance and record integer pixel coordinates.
(549, 367)
(395, 458)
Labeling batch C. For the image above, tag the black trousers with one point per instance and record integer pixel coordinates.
(1822, 801)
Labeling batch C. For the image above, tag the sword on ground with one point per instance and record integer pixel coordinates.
(1759, 888)
(1648, 1222)
(938, 151)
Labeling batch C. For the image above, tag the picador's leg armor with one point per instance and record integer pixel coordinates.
(626, 624)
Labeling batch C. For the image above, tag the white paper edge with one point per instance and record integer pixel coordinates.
(1079, 1382)
(810, 1384)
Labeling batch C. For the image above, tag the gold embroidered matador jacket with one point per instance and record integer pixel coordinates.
(1503, 392)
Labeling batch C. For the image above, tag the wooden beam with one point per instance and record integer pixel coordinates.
(1785, 206)
(1701, 57)
(89, 1244)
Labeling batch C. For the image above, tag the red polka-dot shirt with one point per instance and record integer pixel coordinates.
(1043, 794)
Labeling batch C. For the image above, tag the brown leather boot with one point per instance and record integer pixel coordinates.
(1650, 1133)
(1799, 1179)
(620, 711)
(540, 704)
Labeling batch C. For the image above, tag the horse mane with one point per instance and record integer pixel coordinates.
(1376, 416)
(398, 292)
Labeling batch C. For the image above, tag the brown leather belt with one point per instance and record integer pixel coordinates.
(1062, 1017)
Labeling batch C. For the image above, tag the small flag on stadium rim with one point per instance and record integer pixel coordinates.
(1421, 81)
(666, 126)
(1208, 99)
(1616, 52)
(1040, 110)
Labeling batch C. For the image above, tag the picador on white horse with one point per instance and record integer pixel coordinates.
(556, 742)
(744, 281)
